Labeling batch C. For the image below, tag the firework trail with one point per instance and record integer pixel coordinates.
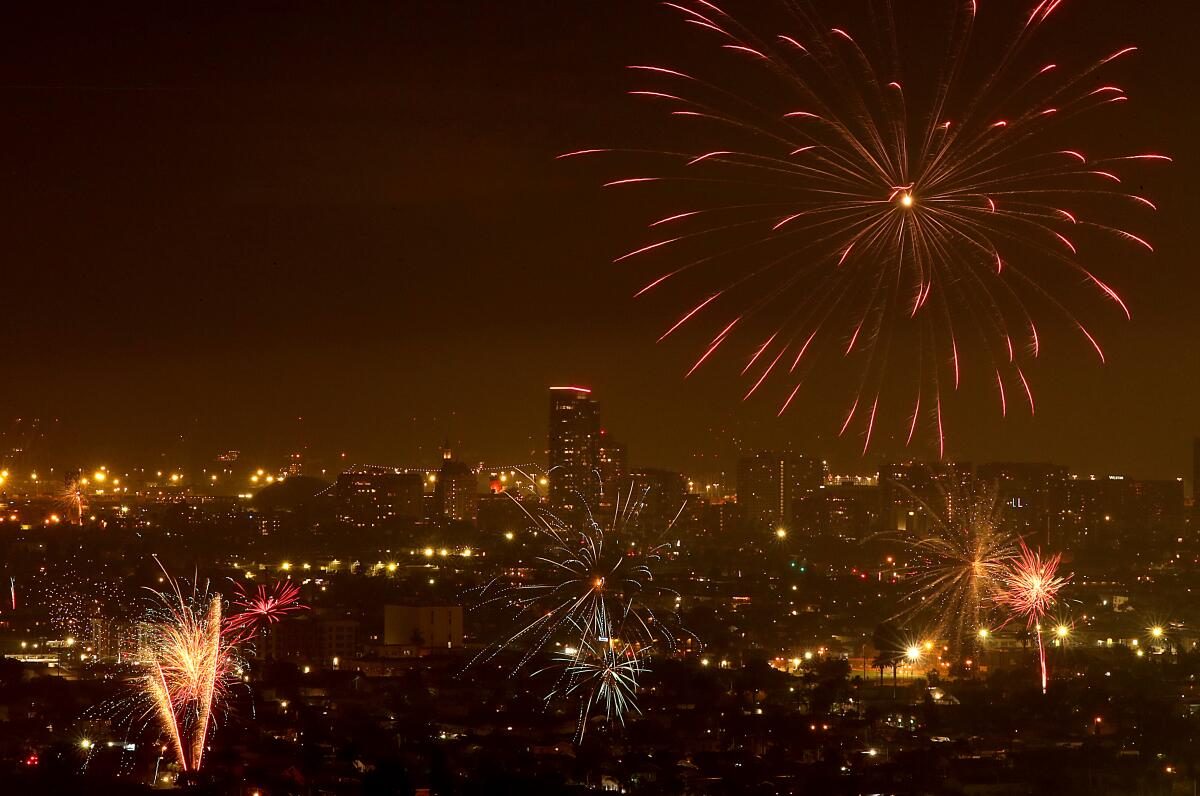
(960, 562)
(598, 583)
(194, 657)
(192, 665)
(1031, 587)
(263, 607)
(859, 202)
(596, 601)
(602, 675)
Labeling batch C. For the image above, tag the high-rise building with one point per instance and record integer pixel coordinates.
(1033, 498)
(1110, 513)
(908, 491)
(662, 493)
(370, 499)
(456, 491)
(574, 447)
(612, 468)
(846, 507)
(771, 487)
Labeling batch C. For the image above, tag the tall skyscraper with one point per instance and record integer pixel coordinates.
(612, 464)
(456, 493)
(574, 443)
(771, 486)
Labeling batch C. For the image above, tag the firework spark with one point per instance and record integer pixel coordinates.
(1031, 587)
(595, 602)
(262, 607)
(599, 583)
(858, 203)
(192, 665)
(193, 657)
(73, 497)
(960, 562)
(603, 675)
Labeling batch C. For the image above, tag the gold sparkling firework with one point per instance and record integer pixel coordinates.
(959, 563)
(192, 665)
(193, 657)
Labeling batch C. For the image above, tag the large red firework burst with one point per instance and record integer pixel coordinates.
(1031, 587)
(892, 209)
(262, 607)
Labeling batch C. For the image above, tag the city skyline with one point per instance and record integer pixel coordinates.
(582, 465)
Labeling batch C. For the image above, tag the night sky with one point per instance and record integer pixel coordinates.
(341, 225)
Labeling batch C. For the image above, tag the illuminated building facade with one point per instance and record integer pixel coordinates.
(906, 489)
(612, 466)
(1033, 497)
(456, 494)
(574, 448)
(771, 487)
(371, 499)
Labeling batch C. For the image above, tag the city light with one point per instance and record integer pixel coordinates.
(901, 230)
